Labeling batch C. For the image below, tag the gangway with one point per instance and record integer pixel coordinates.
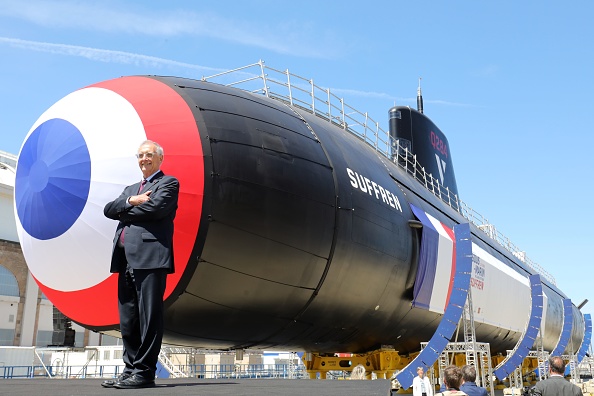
(168, 364)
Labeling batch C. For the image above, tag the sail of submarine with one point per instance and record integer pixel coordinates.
(292, 231)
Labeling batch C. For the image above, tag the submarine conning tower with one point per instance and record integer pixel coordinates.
(418, 135)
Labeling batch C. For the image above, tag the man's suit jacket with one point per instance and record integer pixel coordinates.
(148, 227)
(556, 386)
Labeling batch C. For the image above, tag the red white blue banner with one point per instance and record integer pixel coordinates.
(493, 283)
(437, 264)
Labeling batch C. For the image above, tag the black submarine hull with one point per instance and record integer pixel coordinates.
(303, 238)
(294, 256)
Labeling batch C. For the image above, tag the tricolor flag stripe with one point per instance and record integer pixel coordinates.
(434, 280)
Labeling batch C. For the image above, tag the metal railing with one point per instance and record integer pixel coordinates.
(303, 93)
(282, 371)
(106, 362)
(61, 371)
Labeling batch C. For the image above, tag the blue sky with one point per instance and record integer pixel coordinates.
(509, 82)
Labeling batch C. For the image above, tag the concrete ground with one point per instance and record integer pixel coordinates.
(197, 387)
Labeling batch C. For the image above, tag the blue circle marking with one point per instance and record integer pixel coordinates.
(53, 179)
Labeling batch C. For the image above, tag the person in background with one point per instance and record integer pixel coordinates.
(468, 382)
(452, 378)
(421, 385)
(556, 384)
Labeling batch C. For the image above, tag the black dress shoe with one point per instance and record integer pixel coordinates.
(134, 382)
(111, 383)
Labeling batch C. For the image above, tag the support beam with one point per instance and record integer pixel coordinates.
(383, 362)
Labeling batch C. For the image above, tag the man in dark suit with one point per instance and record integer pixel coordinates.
(143, 256)
(469, 385)
(556, 384)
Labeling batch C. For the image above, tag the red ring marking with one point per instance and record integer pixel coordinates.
(169, 121)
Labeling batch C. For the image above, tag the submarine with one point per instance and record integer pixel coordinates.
(298, 227)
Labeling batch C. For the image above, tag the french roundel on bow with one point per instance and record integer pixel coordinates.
(79, 155)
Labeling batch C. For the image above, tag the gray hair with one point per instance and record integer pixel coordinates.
(452, 376)
(469, 373)
(157, 146)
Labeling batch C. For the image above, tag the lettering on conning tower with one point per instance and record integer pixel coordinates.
(374, 189)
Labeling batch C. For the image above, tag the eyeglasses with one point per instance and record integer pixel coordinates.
(145, 155)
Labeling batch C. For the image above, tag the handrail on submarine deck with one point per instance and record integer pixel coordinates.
(301, 92)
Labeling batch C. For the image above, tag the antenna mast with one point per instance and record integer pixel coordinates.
(419, 98)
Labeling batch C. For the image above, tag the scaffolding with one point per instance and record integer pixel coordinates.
(478, 354)
(515, 379)
(292, 363)
(542, 358)
(484, 369)
(573, 366)
(469, 332)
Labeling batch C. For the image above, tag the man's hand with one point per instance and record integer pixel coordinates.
(136, 200)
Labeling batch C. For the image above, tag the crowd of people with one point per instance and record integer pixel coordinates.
(458, 381)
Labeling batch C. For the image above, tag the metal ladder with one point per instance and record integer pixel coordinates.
(542, 358)
(515, 379)
(483, 366)
(469, 333)
(486, 369)
(472, 348)
(292, 359)
(572, 362)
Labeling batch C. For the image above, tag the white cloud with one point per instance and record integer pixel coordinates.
(370, 94)
(397, 100)
(129, 58)
(102, 55)
(121, 57)
(114, 17)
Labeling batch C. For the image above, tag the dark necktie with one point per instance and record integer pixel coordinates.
(121, 242)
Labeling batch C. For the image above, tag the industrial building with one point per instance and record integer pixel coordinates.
(27, 318)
